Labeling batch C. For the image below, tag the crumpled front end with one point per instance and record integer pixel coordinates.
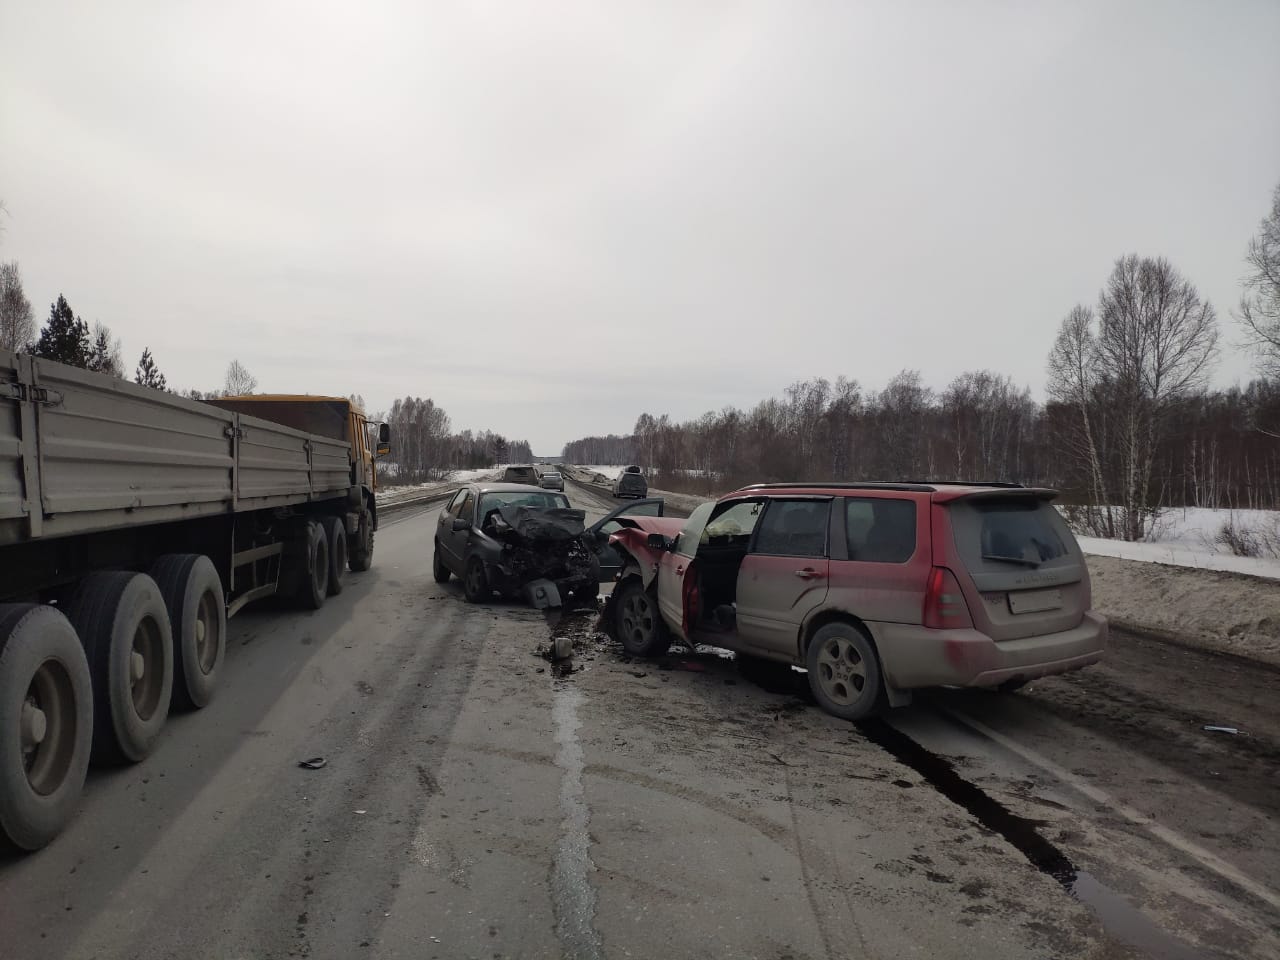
(546, 549)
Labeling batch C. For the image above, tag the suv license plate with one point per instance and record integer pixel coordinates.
(1034, 601)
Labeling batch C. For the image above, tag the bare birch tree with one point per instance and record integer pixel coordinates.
(239, 380)
(1260, 306)
(17, 325)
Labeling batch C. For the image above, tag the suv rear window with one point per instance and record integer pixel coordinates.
(880, 530)
(1009, 533)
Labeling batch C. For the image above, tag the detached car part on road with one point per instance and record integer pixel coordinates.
(517, 542)
(875, 589)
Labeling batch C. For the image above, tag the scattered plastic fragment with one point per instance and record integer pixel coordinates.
(315, 763)
(1213, 728)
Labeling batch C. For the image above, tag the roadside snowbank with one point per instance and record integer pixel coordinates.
(1210, 609)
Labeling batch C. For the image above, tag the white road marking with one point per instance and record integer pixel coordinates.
(572, 894)
(1206, 858)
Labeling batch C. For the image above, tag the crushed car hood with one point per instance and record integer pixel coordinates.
(539, 524)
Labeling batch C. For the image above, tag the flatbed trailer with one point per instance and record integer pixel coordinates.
(133, 523)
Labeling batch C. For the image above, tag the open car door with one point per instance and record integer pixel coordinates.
(599, 532)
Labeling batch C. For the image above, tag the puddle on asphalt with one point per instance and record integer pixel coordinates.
(1117, 915)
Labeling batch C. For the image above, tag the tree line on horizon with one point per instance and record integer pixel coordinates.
(1129, 426)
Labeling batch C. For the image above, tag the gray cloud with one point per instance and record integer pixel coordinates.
(550, 217)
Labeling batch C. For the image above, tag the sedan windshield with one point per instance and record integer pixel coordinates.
(518, 498)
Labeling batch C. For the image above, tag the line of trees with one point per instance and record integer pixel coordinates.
(1129, 426)
(426, 448)
(67, 338)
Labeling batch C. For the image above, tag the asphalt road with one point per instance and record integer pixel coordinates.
(474, 805)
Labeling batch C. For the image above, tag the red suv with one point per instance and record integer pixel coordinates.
(873, 588)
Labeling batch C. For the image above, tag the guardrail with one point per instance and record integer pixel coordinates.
(393, 505)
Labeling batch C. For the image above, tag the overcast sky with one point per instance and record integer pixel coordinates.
(550, 217)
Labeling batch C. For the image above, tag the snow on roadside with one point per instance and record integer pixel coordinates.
(395, 494)
(610, 473)
(1181, 555)
(1187, 537)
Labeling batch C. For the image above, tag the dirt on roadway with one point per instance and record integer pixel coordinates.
(476, 803)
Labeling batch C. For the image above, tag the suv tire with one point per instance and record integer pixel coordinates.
(638, 623)
(844, 671)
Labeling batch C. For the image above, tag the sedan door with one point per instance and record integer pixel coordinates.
(599, 532)
(785, 575)
(455, 542)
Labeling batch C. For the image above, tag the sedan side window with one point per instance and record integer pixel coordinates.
(794, 528)
(466, 507)
(452, 508)
(880, 530)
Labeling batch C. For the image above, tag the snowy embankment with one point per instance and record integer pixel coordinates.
(1188, 586)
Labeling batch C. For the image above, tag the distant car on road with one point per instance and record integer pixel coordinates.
(631, 483)
(551, 480)
(524, 474)
(875, 589)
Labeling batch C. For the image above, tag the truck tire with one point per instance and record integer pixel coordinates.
(192, 592)
(312, 559)
(360, 550)
(336, 535)
(124, 627)
(47, 696)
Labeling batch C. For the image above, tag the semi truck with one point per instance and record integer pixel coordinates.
(133, 524)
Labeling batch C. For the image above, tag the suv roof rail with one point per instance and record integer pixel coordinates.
(916, 486)
(913, 486)
(970, 483)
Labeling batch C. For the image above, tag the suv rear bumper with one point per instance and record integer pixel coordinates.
(915, 656)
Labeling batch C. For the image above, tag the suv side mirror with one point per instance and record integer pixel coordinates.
(461, 523)
(656, 541)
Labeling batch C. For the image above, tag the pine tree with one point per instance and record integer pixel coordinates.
(148, 374)
(65, 337)
(104, 356)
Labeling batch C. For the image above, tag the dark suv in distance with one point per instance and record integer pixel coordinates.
(875, 589)
(524, 474)
(631, 483)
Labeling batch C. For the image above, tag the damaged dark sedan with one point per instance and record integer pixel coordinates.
(521, 543)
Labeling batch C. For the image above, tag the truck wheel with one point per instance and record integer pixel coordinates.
(47, 697)
(192, 592)
(844, 671)
(313, 570)
(438, 568)
(360, 555)
(639, 625)
(124, 627)
(475, 585)
(336, 534)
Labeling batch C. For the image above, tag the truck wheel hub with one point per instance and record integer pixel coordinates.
(34, 726)
(137, 666)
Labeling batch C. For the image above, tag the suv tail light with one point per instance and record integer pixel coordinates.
(944, 603)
